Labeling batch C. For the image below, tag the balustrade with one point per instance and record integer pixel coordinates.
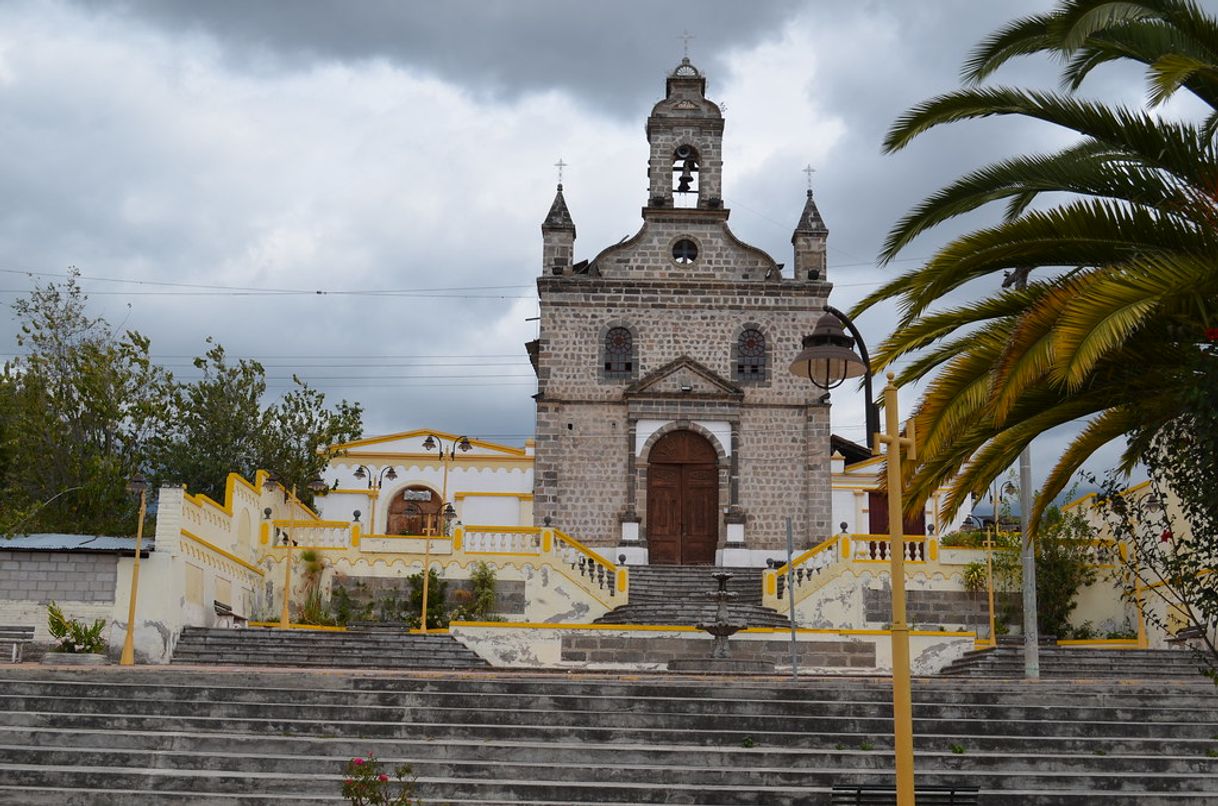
(879, 548)
(489, 540)
(587, 564)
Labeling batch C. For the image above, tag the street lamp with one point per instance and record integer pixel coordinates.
(387, 472)
(375, 482)
(317, 486)
(828, 360)
(138, 484)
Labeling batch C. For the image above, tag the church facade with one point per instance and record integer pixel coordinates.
(668, 425)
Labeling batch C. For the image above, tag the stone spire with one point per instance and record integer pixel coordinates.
(559, 217)
(810, 222)
(557, 237)
(809, 239)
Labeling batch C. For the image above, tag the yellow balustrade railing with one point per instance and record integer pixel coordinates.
(803, 569)
(877, 548)
(600, 573)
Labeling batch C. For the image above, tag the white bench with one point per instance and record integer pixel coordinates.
(16, 636)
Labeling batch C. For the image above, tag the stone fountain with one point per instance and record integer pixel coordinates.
(720, 660)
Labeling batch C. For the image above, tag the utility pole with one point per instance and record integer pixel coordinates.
(1018, 278)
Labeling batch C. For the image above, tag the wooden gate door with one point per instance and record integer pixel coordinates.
(682, 500)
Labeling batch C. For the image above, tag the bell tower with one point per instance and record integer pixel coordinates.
(685, 131)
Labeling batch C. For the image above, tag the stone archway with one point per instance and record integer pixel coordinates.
(414, 510)
(682, 500)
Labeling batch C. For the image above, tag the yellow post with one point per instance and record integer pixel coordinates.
(989, 575)
(902, 697)
(284, 617)
(426, 579)
(128, 656)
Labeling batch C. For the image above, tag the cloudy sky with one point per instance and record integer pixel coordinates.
(352, 191)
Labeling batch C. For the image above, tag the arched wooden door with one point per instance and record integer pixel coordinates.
(682, 500)
(415, 510)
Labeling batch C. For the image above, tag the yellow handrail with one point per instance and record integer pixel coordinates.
(802, 558)
(584, 549)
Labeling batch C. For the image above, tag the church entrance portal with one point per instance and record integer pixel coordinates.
(682, 500)
(414, 511)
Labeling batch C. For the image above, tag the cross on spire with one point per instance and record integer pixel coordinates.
(560, 165)
(685, 37)
(809, 170)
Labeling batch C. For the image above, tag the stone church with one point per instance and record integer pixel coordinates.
(668, 426)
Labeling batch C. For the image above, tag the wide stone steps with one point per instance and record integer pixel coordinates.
(320, 648)
(676, 595)
(1062, 662)
(200, 737)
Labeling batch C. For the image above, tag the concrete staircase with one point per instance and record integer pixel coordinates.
(195, 737)
(675, 594)
(370, 649)
(1007, 660)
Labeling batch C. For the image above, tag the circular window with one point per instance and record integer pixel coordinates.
(685, 251)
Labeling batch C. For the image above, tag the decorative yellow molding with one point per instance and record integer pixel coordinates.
(467, 494)
(346, 447)
(226, 554)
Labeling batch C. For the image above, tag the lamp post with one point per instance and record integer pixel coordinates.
(447, 455)
(375, 482)
(828, 360)
(138, 484)
(448, 513)
(316, 485)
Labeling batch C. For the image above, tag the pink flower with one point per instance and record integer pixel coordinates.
(383, 778)
(357, 761)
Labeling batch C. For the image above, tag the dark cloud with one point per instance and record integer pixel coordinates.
(607, 54)
(391, 144)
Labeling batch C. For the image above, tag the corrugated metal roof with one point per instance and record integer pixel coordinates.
(84, 543)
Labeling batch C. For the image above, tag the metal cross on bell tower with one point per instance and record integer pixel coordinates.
(560, 165)
(685, 37)
(809, 170)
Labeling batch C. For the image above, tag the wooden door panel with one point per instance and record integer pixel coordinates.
(664, 514)
(700, 521)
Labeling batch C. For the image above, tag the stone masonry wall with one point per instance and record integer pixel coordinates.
(930, 608)
(581, 478)
(40, 576)
(661, 649)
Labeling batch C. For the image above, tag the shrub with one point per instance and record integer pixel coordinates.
(73, 636)
(365, 783)
(437, 589)
(975, 577)
(480, 604)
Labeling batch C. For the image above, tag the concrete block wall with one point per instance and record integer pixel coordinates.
(41, 576)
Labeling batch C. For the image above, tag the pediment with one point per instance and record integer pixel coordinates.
(684, 377)
(412, 442)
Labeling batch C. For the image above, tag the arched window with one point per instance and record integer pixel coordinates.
(618, 359)
(750, 355)
(685, 176)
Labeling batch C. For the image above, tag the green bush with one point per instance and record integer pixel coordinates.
(975, 577)
(366, 784)
(480, 604)
(73, 636)
(437, 590)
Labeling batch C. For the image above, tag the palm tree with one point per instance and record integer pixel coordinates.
(1131, 248)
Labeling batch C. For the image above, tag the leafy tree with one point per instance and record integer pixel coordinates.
(1123, 223)
(217, 424)
(1173, 533)
(84, 408)
(78, 405)
(212, 425)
